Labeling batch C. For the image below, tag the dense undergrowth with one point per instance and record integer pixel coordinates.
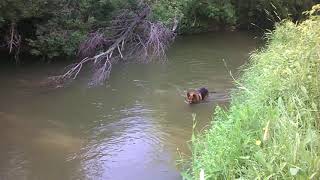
(272, 128)
(54, 29)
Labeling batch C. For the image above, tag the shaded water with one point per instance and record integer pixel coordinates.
(129, 129)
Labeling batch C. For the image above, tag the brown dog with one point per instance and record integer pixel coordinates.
(194, 97)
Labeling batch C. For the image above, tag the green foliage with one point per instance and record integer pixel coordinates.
(207, 14)
(59, 25)
(220, 11)
(72, 21)
(56, 27)
(195, 15)
(265, 13)
(166, 11)
(272, 129)
(15, 10)
(53, 44)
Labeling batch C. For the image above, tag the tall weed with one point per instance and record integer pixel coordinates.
(272, 128)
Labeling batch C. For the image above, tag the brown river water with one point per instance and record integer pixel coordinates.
(131, 128)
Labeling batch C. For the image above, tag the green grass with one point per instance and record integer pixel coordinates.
(272, 127)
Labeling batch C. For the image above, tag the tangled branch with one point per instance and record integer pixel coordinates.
(131, 36)
(14, 41)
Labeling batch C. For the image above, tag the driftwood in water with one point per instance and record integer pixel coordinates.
(131, 36)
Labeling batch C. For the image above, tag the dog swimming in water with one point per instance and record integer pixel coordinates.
(196, 96)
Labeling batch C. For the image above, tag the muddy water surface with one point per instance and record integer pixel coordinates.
(129, 129)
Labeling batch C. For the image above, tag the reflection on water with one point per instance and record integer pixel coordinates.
(129, 129)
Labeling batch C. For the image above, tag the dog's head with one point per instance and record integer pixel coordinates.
(193, 97)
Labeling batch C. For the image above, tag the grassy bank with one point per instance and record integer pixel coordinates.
(272, 128)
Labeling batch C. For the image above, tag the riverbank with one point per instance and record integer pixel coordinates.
(271, 129)
(51, 30)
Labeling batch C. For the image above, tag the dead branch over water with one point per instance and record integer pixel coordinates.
(14, 41)
(130, 36)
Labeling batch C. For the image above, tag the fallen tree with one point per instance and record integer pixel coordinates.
(131, 35)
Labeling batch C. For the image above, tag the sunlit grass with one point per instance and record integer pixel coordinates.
(272, 128)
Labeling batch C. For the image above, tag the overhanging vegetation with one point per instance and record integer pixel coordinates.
(56, 28)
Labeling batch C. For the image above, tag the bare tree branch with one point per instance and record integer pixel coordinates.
(131, 36)
(14, 41)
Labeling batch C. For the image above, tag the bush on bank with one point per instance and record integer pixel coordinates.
(272, 128)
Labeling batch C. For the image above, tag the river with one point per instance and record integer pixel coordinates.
(131, 128)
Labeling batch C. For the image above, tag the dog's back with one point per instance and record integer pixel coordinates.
(204, 92)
